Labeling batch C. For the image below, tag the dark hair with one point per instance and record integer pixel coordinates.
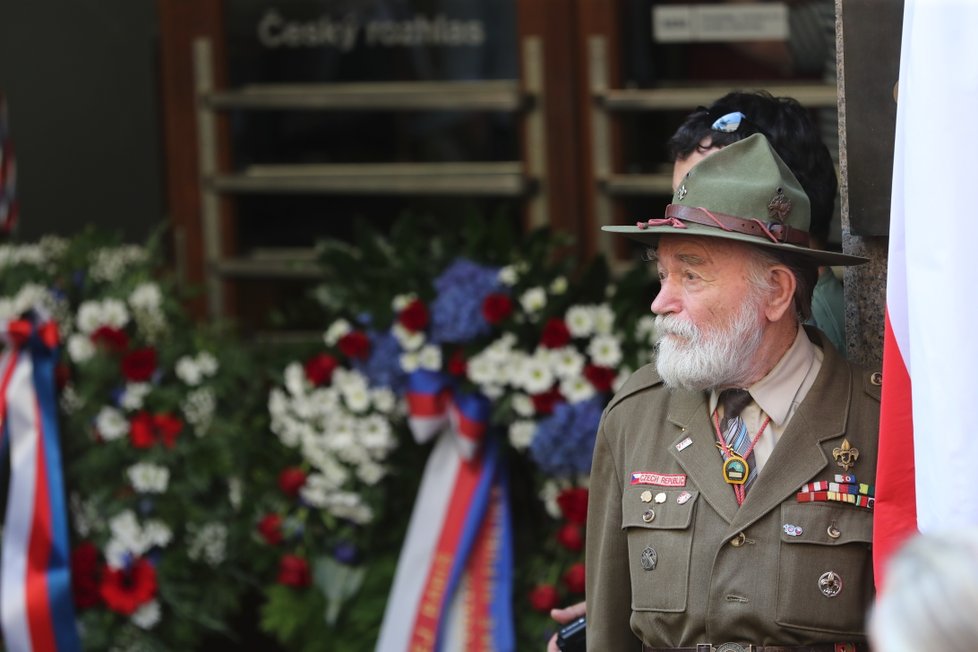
(793, 134)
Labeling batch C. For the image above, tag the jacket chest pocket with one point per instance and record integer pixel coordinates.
(825, 567)
(658, 524)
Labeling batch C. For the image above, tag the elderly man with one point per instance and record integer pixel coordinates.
(731, 496)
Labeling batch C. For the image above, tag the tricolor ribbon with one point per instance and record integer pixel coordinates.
(453, 586)
(36, 610)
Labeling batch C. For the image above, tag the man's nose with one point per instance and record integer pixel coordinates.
(666, 301)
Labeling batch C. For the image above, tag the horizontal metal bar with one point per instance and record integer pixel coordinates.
(503, 179)
(664, 99)
(491, 95)
(637, 184)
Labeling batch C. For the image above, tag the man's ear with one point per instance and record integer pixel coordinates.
(782, 296)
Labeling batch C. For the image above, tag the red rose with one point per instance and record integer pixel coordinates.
(543, 598)
(290, 481)
(319, 369)
(294, 571)
(270, 528)
(414, 317)
(138, 366)
(601, 377)
(573, 504)
(457, 364)
(112, 339)
(85, 575)
(555, 334)
(355, 344)
(147, 429)
(545, 402)
(125, 590)
(574, 578)
(168, 428)
(571, 537)
(496, 308)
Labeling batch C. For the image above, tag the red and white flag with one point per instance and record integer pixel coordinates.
(929, 418)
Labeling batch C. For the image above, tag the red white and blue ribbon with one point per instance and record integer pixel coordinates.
(36, 610)
(8, 175)
(453, 586)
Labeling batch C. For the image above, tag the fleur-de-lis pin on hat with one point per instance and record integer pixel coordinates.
(743, 192)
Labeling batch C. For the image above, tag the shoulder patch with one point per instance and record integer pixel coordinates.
(643, 378)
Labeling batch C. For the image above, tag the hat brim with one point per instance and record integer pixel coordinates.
(651, 234)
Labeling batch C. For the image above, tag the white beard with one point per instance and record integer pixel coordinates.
(696, 360)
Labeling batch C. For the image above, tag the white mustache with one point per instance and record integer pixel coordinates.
(672, 325)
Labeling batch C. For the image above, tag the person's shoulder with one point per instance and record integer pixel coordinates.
(641, 380)
(868, 379)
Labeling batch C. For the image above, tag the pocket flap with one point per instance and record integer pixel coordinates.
(673, 511)
(825, 524)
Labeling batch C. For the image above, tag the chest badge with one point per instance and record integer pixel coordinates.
(649, 558)
(830, 584)
(845, 455)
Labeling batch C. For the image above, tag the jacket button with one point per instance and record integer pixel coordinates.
(738, 540)
(833, 532)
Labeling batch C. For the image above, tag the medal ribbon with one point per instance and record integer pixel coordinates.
(36, 609)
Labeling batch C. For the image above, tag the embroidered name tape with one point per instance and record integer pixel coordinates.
(659, 479)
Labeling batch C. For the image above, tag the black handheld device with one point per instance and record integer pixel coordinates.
(571, 637)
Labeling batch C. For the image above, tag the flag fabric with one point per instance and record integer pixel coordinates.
(929, 415)
(36, 609)
(8, 175)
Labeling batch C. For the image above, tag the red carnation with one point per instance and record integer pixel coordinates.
(294, 571)
(545, 402)
(147, 429)
(571, 537)
(319, 369)
(290, 481)
(573, 504)
(112, 339)
(141, 430)
(125, 590)
(496, 308)
(414, 317)
(601, 377)
(543, 598)
(574, 578)
(270, 528)
(355, 344)
(138, 366)
(85, 575)
(555, 334)
(457, 364)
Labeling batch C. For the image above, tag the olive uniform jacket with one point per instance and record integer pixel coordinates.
(702, 569)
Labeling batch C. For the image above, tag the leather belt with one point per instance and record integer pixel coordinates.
(781, 232)
(737, 647)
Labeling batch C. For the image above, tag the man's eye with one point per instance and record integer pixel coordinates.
(690, 276)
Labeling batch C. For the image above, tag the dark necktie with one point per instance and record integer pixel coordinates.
(735, 430)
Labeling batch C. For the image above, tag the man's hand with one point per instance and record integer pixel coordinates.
(564, 616)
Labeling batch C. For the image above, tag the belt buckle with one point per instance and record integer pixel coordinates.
(731, 647)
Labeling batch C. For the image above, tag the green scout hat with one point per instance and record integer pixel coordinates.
(743, 192)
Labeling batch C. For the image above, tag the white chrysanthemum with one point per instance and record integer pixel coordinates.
(147, 616)
(492, 392)
(85, 516)
(156, 534)
(429, 357)
(523, 405)
(80, 348)
(548, 495)
(133, 396)
(146, 297)
(383, 399)
(576, 389)
(352, 386)
(580, 321)
(349, 505)
(114, 313)
(295, 379)
(207, 363)
(32, 295)
(558, 286)
(482, 370)
(402, 301)
(70, 401)
(208, 544)
(620, 379)
(188, 370)
(316, 490)
(111, 424)
(521, 433)
(278, 403)
(198, 408)
(7, 310)
(566, 362)
(409, 340)
(149, 478)
(24, 254)
(508, 275)
(374, 432)
(604, 319)
(605, 351)
(370, 473)
(409, 361)
(336, 330)
(534, 375)
(110, 263)
(533, 300)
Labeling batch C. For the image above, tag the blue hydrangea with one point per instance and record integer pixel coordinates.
(564, 441)
(383, 367)
(456, 313)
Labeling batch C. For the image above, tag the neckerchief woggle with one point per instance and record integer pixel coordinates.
(453, 585)
(36, 610)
